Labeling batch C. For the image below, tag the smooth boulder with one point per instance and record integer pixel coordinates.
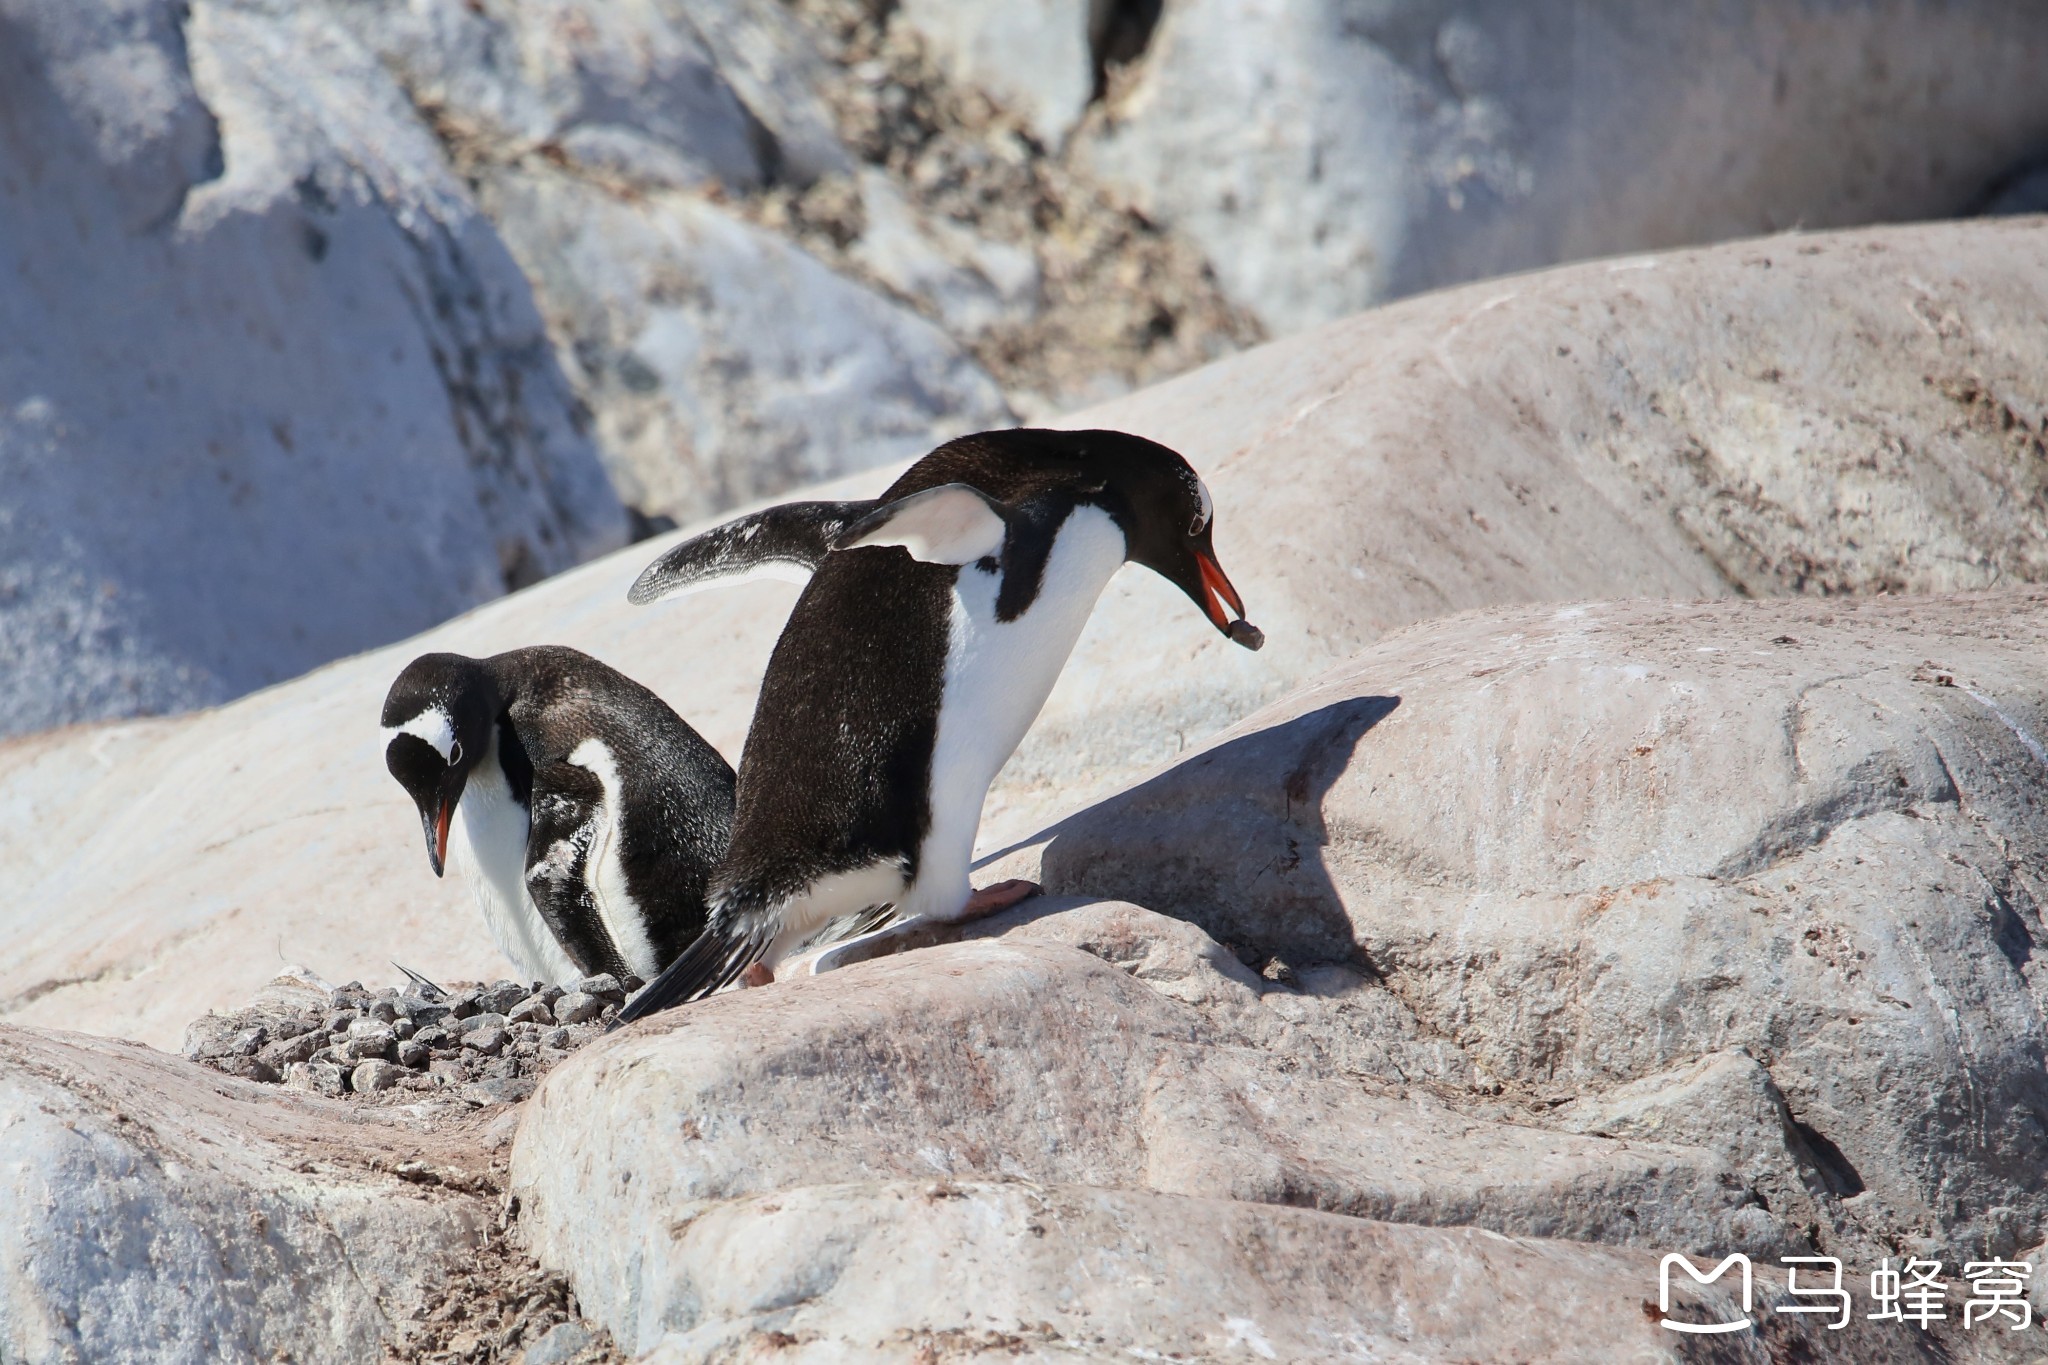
(154, 1206)
(1328, 158)
(277, 392)
(1595, 847)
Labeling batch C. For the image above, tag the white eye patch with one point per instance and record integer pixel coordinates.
(433, 726)
(1208, 509)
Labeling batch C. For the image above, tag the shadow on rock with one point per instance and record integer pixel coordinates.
(1246, 813)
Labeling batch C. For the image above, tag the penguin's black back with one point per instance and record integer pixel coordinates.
(836, 768)
(676, 790)
(836, 773)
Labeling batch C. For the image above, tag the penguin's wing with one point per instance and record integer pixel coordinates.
(786, 542)
(569, 813)
(951, 524)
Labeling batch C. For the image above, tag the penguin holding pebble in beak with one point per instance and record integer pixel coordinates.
(592, 814)
(932, 626)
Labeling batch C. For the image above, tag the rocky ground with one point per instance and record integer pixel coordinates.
(1407, 989)
(483, 1044)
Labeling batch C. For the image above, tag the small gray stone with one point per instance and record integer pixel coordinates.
(551, 994)
(578, 1006)
(604, 986)
(384, 1011)
(532, 1010)
(373, 1076)
(507, 1090)
(300, 1048)
(403, 1027)
(248, 1068)
(489, 1041)
(558, 1038)
(559, 1344)
(339, 1020)
(432, 1037)
(503, 995)
(248, 1042)
(477, 1021)
(468, 1003)
(414, 1055)
(374, 1041)
(321, 1078)
(448, 1071)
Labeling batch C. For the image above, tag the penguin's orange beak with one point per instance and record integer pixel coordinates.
(437, 834)
(1216, 592)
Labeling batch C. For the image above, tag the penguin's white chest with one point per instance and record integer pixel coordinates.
(998, 675)
(494, 827)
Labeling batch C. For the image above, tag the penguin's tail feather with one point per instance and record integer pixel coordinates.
(850, 926)
(712, 962)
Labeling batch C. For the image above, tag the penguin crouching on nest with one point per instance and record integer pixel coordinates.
(933, 625)
(592, 815)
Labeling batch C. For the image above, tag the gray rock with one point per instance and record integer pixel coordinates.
(1591, 846)
(321, 1078)
(373, 1076)
(604, 986)
(968, 283)
(1327, 159)
(532, 1010)
(413, 1055)
(432, 1038)
(1088, 1075)
(559, 1345)
(578, 1008)
(373, 1041)
(469, 1024)
(309, 307)
(1033, 58)
(341, 1021)
(1206, 1280)
(248, 1068)
(489, 1041)
(283, 1053)
(501, 997)
(157, 1209)
(676, 320)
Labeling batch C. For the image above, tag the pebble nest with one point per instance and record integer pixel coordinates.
(484, 1044)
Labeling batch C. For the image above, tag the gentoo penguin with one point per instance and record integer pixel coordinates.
(591, 813)
(933, 624)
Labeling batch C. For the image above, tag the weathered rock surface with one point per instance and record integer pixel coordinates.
(723, 363)
(720, 362)
(1762, 877)
(156, 1208)
(276, 392)
(1861, 414)
(1850, 413)
(939, 1269)
(1327, 158)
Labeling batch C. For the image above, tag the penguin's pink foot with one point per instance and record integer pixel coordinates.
(1001, 896)
(757, 975)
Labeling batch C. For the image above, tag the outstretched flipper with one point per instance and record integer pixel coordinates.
(568, 816)
(786, 542)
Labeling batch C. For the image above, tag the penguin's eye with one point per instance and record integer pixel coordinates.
(1206, 510)
(454, 752)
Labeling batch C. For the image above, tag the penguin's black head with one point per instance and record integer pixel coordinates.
(437, 728)
(1164, 509)
(1169, 522)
